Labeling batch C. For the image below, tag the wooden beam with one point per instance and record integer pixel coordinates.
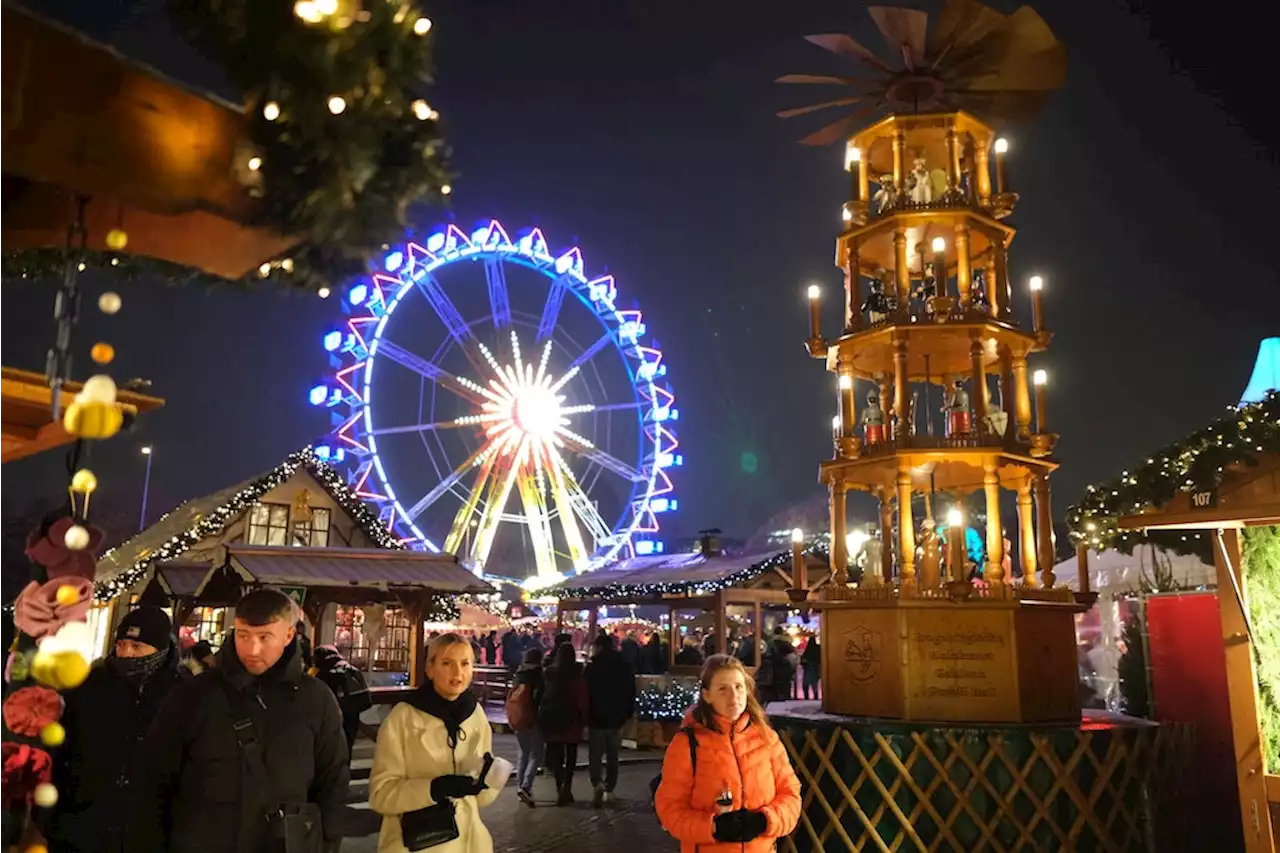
(1242, 690)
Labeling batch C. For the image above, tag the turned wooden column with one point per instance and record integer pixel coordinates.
(906, 532)
(953, 158)
(964, 274)
(839, 546)
(903, 433)
(886, 534)
(899, 151)
(995, 531)
(1027, 533)
(901, 270)
(1022, 398)
(1044, 531)
(979, 395)
(982, 166)
(989, 277)
(853, 290)
(1000, 246)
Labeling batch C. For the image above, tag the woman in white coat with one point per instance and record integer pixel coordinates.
(432, 747)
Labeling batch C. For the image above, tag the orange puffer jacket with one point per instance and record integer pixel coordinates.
(750, 762)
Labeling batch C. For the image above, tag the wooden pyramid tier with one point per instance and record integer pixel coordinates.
(151, 156)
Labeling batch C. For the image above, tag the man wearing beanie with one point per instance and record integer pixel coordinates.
(105, 719)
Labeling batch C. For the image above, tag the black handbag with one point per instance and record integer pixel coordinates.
(429, 827)
(293, 827)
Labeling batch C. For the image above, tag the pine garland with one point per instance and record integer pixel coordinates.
(1194, 464)
(597, 584)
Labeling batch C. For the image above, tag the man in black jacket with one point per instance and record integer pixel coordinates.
(201, 791)
(105, 719)
(611, 697)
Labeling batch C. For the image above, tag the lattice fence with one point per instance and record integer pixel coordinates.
(959, 790)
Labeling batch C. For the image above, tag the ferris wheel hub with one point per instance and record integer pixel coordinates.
(537, 412)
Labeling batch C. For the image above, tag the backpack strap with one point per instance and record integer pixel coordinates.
(246, 732)
(693, 748)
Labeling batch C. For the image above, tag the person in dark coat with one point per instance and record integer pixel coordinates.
(491, 648)
(105, 719)
(196, 791)
(811, 667)
(611, 698)
(512, 651)
(529, 674)
(561, 717)
(348, 686)
(631, 652)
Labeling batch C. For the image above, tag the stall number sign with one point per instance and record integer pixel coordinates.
(1204, 500)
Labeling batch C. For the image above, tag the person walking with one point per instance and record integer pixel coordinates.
(742, 794)
(561, 717)
(246, 753)
(105, 719)
(522, 716)
(434, 748)
(811, 666)
(348, 686)
(491, 648)
(611, 699)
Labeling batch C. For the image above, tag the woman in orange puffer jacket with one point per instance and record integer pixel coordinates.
(743, 795)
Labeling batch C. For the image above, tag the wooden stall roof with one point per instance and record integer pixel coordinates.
(1247, 496)
(687, 573)
(179, 524)
(353, 567)
(181, 578)
(156, 157)
(26, 412)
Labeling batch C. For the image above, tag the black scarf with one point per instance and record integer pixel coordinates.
(137, 671)
(452, 714)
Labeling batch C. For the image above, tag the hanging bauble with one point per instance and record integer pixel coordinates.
(67, 595)
(109, 302)
(117, 239)
(53, 734)
(84, 482)
(46, 796)
(76, 538)
(102, 352)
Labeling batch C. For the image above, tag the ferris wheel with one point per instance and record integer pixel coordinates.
(494, 402)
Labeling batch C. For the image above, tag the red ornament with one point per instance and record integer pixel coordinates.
(30, 709)
(25, 767)
(51, 551)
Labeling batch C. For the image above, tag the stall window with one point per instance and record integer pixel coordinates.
(392, 653)
(313, 533)
(208, 623)
(348, 636)
(268, 524)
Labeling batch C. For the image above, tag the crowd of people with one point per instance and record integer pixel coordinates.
(247, 749)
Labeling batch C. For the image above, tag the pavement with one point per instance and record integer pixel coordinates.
(516, 827)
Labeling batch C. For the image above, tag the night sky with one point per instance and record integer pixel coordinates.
(645, 133)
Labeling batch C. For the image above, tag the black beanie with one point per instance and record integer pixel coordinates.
(147, 624)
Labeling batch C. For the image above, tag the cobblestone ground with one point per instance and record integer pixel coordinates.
(628, 823)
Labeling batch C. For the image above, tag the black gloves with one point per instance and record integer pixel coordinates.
(739, 826)
(453, 787)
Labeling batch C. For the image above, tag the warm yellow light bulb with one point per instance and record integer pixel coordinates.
(939, 244)
(337, 104)
(421, 109)
(1002, 145)
(255, 163)
(1037, 283)
(446, 189)
(1040, 377)
(955, 518)
(846, 382)
(422, 26)
(797, 535)
(814, 291)
(271, 111)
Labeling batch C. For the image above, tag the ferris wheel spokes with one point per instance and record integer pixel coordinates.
(496, 276)
(448, 313)
(428, 370)
(447, 483)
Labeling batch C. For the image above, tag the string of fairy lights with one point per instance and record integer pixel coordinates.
(614, 591)
(1196, 463)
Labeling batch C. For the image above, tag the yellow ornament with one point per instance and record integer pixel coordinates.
(59, 670)
(53, 735)
(84, 482)
(68, 595)
(102, 352)
(46, 796)
(36, 848)
(93, 419)
(117, 239)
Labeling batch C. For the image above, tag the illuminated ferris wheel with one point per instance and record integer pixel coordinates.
(494, 402)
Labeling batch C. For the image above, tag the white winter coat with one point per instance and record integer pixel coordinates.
(412, 750)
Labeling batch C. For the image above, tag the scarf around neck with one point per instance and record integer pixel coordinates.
(452, 714)
(136, 671)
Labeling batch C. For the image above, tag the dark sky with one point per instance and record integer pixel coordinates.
(645, 131)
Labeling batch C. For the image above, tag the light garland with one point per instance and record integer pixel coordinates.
(218, 519)
(1194, 464)
(665, 703)
(606, 591)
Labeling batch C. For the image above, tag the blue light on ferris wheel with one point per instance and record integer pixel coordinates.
(645, 547)
(332, 340)
(318, 394)
(358, 294)
(394, 261)
(435, 242)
